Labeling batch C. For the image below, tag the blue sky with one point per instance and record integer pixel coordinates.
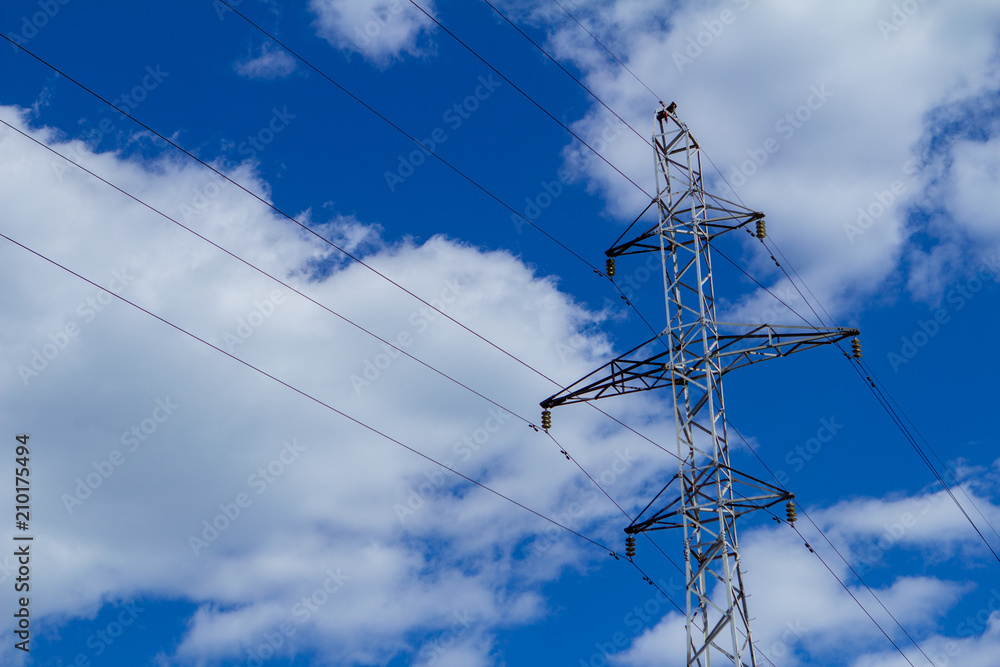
(867, 132)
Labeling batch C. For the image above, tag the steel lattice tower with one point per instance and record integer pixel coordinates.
(706, 495)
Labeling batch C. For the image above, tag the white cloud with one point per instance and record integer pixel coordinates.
(272, 63)
(380, 30)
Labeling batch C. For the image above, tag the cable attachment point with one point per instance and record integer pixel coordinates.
(630, 547)
(856, 347)
(790, 513)
(546, 420)
(662, 113)
(761, 229)
(610, 267)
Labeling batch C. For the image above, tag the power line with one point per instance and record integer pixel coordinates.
(650, 327)
(344, 414)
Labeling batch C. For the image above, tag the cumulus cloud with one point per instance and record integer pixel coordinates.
(381, 31)
(272, 63)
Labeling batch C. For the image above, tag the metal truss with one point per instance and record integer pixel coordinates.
(691, 354)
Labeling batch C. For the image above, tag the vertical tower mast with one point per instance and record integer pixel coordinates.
(693, 352)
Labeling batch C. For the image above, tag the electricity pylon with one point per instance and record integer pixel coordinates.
(691, 355)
